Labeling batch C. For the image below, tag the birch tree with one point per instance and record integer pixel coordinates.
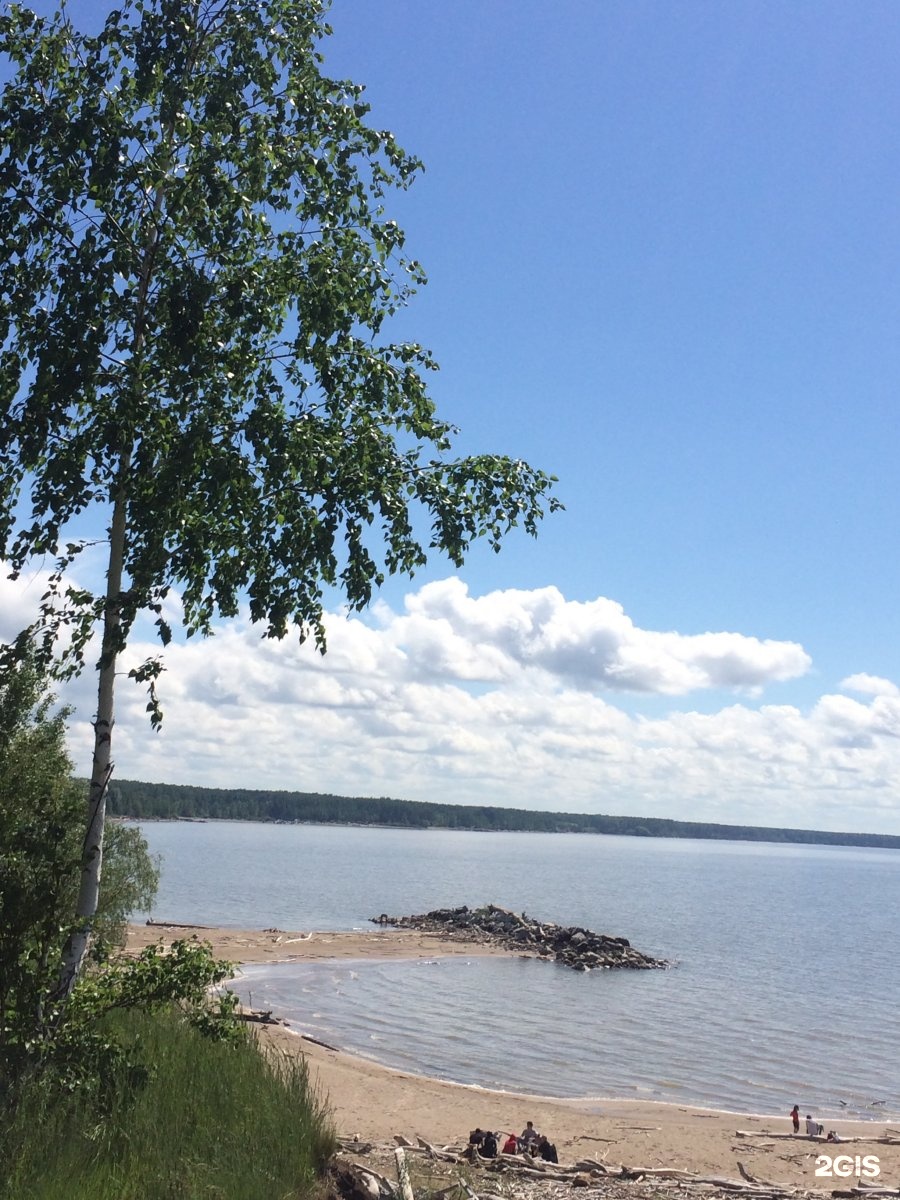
(197, 272)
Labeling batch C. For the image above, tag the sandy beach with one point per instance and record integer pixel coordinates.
(376, 1102)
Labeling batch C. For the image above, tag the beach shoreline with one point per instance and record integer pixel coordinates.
(376, 1102)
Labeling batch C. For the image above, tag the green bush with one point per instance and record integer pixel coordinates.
(184, 1117)
(41, 834)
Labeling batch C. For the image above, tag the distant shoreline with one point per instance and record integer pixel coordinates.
(143, 801)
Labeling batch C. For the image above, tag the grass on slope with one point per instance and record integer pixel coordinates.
(213, 1120)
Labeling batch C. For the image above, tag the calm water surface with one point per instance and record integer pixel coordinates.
(785, 990)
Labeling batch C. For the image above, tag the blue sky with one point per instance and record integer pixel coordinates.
(662, 247)
(663, 257)
(662, 243)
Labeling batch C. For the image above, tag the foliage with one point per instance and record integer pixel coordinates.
(130, 882)
(195, 269)
(79, 1054)
(181, 974)
(41, 811)
(209, 1119)
(195, 272)
(41, 824)
(40, 814)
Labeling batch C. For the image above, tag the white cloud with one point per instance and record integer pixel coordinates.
(870, 685)
(19, 601)
(591, 644)
(514, 698)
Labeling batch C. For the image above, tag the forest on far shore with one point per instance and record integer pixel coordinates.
(169, 801)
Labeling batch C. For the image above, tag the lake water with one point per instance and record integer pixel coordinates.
(785, 988)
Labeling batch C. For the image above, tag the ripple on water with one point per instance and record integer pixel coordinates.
(519, 1025)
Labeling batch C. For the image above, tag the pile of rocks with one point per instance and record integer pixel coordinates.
(581, 949)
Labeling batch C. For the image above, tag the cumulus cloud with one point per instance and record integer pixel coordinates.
(870, 685)
(515, 698)
(588, 644)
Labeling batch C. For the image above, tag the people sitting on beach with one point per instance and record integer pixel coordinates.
(813, 1128)
(546, 1149)
(488, 1147)
(511, 1145)
(832, 1136)
(528, 1138)
(476, 1136)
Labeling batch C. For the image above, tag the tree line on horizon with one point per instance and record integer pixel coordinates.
(169, 801)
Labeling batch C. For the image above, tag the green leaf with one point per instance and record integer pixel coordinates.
(196, 276)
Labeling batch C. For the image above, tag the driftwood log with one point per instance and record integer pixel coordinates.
(886, 1139)
(175, 925)
(354, 1145)
(405, 1185)
(595, 1174)
(442, 1154)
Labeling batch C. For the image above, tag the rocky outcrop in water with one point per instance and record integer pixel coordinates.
(581, 949)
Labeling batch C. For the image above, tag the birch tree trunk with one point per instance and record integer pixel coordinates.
(92, 852)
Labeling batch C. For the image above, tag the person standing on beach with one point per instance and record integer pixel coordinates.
(795, 1117)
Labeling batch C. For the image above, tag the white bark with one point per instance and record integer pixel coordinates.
(92, 855)
(406, 1190)
(92, 852)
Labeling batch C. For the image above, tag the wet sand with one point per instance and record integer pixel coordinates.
(377, 1102)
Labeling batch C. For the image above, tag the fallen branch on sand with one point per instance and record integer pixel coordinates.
(866, 1189)
(175, 925)
(444, 1154)
(307, 1037)
(354, 1145)
(586, 1173)
(525, 1174)
(745, 1174)
(258, 1016)
(888, 1139)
